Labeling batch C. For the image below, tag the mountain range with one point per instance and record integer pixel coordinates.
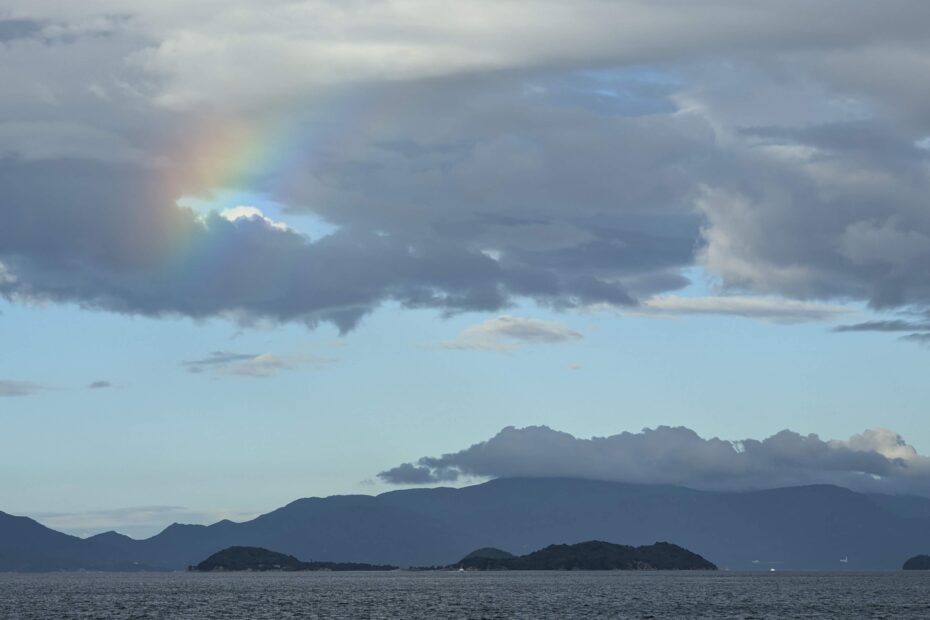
(807, 527)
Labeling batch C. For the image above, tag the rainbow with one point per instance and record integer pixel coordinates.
(269, 157)
(271, 154)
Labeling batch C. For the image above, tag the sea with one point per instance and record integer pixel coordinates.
(433, 595)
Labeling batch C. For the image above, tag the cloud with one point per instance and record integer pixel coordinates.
(920, 330)
(36, 141)
(505, 333)
(260, 366)
(255, 365)
(775, 310)
(12, 29)
(217, 359)
(826, 220)
(876, 460)
(99, 385)
(895, 325)
(921, 339)
(19, 388)
(467, 157)
(187, 51)
(248, 212)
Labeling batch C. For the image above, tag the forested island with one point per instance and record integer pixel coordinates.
(258, 559)
(918, 562)
(591, 555)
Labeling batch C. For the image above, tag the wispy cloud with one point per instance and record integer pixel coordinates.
(895, 325)
(99, 385)
(217, 359)
(771, 309)
(921, 339)
(255, 365)
(506, 333)
(920, 330)
(20, 388)
(260, 366)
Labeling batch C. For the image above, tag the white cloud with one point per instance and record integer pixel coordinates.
(772, 309)
(506, 333)
(249, 212)
(264, 365)
(6, 276)
(887, 443)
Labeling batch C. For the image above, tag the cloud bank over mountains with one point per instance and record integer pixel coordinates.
(877, 460)
(465, 156)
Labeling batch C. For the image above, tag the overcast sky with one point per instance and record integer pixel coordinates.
(264, 249)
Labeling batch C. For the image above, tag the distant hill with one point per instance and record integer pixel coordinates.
(808, 527)
(592, 555)
(918, 562)
(26, 545)
(488, 553)
(258, 559)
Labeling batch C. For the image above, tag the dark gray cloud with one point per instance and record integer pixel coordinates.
(920, 330)
(571, 161)
(12, 29)
(99, 385)
(408, 473)
(876, 460)
(813, 219)
(894, 325)
(870, 140)
(19, 388)
(110, 244)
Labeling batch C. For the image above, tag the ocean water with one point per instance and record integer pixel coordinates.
(431, 595)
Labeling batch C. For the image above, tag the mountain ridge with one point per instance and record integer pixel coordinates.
(808, 527)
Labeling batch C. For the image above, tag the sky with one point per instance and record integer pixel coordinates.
(258, 250)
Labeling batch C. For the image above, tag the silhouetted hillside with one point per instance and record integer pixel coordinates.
(488, 553)
(918, 562)
(258, 559)
(593, 555)
(799, 527)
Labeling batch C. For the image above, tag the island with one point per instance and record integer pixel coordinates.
(918, 562)
(591, 555)
(258, 559)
